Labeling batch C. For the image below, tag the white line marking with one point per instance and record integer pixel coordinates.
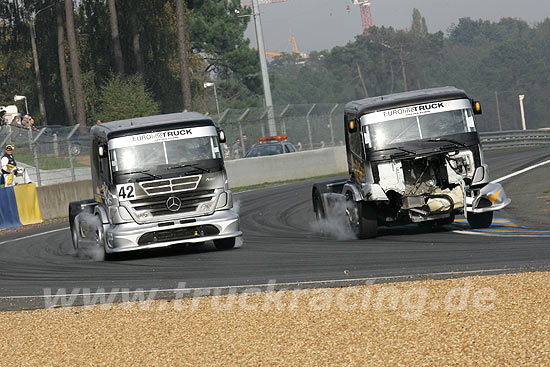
(33, 235)
(314, 282)
(520, 171)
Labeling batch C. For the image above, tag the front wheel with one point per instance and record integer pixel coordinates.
(480, 220)
(364, 221)
(225, 243)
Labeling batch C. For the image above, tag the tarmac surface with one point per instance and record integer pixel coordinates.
(283, 247)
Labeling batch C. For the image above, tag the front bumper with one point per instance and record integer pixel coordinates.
(491, 198)
(130, 236)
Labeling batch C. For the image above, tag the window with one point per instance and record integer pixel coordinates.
(146, 156)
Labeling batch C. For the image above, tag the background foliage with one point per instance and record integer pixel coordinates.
(490, 60)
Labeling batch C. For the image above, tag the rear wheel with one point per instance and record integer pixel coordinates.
(480, 220)
(364, 221)
(75, 233)
(225, 243)
(318, 207)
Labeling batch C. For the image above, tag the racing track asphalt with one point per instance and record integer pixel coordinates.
(282, 245)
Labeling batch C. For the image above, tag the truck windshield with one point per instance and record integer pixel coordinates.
(427, 126)
(153, 155)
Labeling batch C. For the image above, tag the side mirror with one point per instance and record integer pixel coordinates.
(352, 126)
(221, 135)
(476, 106)
(102, 151)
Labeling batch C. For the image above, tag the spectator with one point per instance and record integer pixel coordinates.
(3, 118)
(25, 122)
(98, 122)
(226, 151)
(33, 128)
(10, 169)
(236, 149)
(16, 121)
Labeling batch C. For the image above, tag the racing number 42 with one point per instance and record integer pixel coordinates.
(126, 192)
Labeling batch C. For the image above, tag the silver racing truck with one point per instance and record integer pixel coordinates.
(413, 157)
(157, 181)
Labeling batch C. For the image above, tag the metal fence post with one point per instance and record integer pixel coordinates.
(262, 128)
(35, 153)
(30, 137)
(6, 139)
(282, 117)
(55, 146)
(241, 118)
(69, 146)
(330, 124)
(309, 126)
(223, 116)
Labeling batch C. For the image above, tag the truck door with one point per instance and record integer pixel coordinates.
(355, 152)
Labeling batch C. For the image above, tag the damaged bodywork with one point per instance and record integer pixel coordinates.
(413, 157)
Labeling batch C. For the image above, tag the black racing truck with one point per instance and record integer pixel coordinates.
(413, 157)
(157, 181)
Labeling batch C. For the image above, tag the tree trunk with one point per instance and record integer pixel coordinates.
(403, 69)
(184, 64)
(119, 63)
(63, 66)
(41, 103)
(135, 39)
(75, 67)
(362, 81)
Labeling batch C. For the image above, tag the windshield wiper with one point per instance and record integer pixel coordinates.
(447, 140)
(396, 148)
(191, 165)
(145, 171)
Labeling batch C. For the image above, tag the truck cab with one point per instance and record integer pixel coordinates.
(413, 157)
(157, 181)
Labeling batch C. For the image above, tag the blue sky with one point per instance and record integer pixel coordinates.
(323, 24)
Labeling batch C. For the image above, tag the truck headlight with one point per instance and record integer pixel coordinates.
(206, 207)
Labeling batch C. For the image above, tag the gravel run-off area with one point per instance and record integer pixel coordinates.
(501, 320)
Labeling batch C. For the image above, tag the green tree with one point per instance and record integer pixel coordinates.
(125, 98)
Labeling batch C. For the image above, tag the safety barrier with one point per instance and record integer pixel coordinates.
(19, 206)
(514, 139)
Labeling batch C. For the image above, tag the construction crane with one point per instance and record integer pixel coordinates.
(366, 15)
(364, 7)
(295, 50)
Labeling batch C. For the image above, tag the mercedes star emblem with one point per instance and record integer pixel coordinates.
(173, 204)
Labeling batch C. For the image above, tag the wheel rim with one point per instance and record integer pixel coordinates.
(353, 218)
(99, 237)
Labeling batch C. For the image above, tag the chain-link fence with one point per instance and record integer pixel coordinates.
(307, 126)
(51, 154)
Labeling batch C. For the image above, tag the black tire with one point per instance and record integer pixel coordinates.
(480, 220)
(445, 221)
(318, 207)
(225, 243)
(75, 232)
(366, 225)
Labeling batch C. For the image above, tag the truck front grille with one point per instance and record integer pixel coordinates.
(187, 183)
(156, 205)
